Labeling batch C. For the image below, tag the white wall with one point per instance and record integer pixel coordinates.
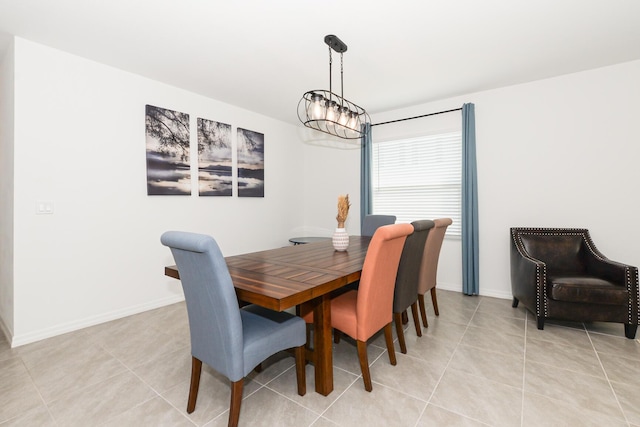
(331, 168)
(556, 152)
(6, 191)
(80, 143)
(560, 152)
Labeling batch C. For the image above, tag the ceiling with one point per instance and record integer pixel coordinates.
(262, 55)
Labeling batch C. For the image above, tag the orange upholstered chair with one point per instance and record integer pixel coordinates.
(362, 313)
(429, 268)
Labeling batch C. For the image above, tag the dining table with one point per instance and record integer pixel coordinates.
(287, 277)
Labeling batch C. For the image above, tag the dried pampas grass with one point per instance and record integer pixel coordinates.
(343, 210)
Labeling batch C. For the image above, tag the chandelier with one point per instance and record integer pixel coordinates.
(329, 112)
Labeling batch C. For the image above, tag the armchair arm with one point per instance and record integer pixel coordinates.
(600, 266)
(528, 278)
(617, 273)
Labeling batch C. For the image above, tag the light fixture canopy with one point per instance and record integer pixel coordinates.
(329, 112)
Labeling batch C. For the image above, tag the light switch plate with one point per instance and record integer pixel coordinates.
(44, 208)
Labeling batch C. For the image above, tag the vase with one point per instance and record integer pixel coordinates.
(340, 239)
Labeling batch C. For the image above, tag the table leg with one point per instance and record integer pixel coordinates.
(322, 345)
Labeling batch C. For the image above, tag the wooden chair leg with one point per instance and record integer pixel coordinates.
(405, 317)
(423, 310)
(434, 299)
(388, 336)
(236, 401)
(196, 370)
(364, 364)
(416, 321)
(397, 317)
(300, 370)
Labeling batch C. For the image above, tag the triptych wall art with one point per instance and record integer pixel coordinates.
(168, 161)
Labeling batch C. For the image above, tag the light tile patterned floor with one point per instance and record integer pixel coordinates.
(479, 363)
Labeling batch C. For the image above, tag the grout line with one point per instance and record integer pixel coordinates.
(35, 385)
(615, 396)
(355, 380)
(449, 363)
(524, 366)
(158, 394)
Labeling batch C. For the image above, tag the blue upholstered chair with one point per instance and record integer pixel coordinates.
(407, 281)
(372, 222)
(231, 340)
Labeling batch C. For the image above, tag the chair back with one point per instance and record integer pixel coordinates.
(378, 279)
(372, 222)
(429, 267)
(212, 306)
(406, 290)
(563, 250)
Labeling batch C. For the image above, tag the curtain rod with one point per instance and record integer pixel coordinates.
(417, 117)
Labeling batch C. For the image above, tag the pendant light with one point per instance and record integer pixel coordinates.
(329, 112)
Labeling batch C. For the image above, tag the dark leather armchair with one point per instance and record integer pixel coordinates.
(559, 273)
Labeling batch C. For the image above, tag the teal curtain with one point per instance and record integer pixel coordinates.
(365, 174)
(470, 265)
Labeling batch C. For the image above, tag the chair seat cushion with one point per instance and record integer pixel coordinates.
(265, 332)
(343, 313)
(586, 289)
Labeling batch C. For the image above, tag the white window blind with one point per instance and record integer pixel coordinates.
(419, 178)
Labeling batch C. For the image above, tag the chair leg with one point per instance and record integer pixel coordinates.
(388, 337)
(336, 336)
(630, 331)
(434, 300)
(398, 321)
(423, 310)
(300, 370)
(515, 302)
(196, 370)
(540, 321)
(405, 317)
(416, 321)
(236, 401)
(364, 364)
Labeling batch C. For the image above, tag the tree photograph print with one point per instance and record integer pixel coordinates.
(167, 143)
(214, 158)
(250, 163)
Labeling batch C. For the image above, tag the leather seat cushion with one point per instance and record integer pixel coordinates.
(586, 289)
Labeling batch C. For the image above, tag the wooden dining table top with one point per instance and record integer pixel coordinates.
(285, 277)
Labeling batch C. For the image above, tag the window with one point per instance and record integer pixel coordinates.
(419, 178)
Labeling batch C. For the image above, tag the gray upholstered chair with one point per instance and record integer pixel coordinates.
(558, 273)
(406, 290)
(231, 340)
(372, 222)
(429, 269)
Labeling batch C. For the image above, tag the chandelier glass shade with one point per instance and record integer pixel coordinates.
(328, 112)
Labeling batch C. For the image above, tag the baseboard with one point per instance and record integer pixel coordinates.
(457, 287)
(53, 331)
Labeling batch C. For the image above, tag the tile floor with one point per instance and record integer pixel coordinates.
(479, 363)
